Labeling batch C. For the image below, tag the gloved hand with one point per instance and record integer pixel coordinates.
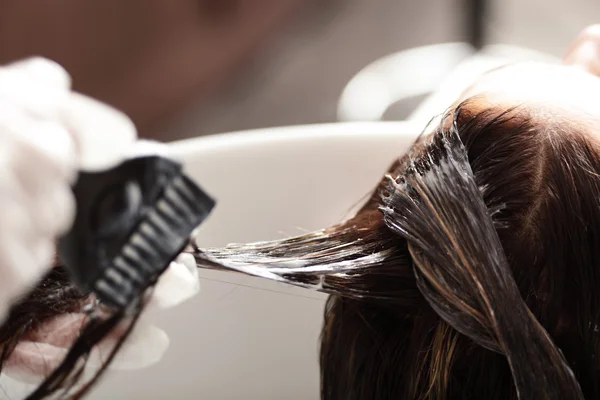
(47, 133)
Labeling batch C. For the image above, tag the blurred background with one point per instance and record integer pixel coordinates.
(186, 68)
(183, 68)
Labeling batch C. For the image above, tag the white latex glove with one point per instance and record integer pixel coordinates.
(47, 133)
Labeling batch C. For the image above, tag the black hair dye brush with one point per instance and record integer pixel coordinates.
(131, 222)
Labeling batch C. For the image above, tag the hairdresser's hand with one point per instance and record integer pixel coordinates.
(47, 133)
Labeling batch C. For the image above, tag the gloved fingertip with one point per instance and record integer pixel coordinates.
(43, 252)
(103, 134)
(44, 71)
(24, 271)
(177, 284)
(57, 211)
(188, 260)
(53, 210)
(37, 87)
(52, 145)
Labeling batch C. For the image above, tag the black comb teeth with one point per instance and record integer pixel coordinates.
(163, 233)
(131, 222)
